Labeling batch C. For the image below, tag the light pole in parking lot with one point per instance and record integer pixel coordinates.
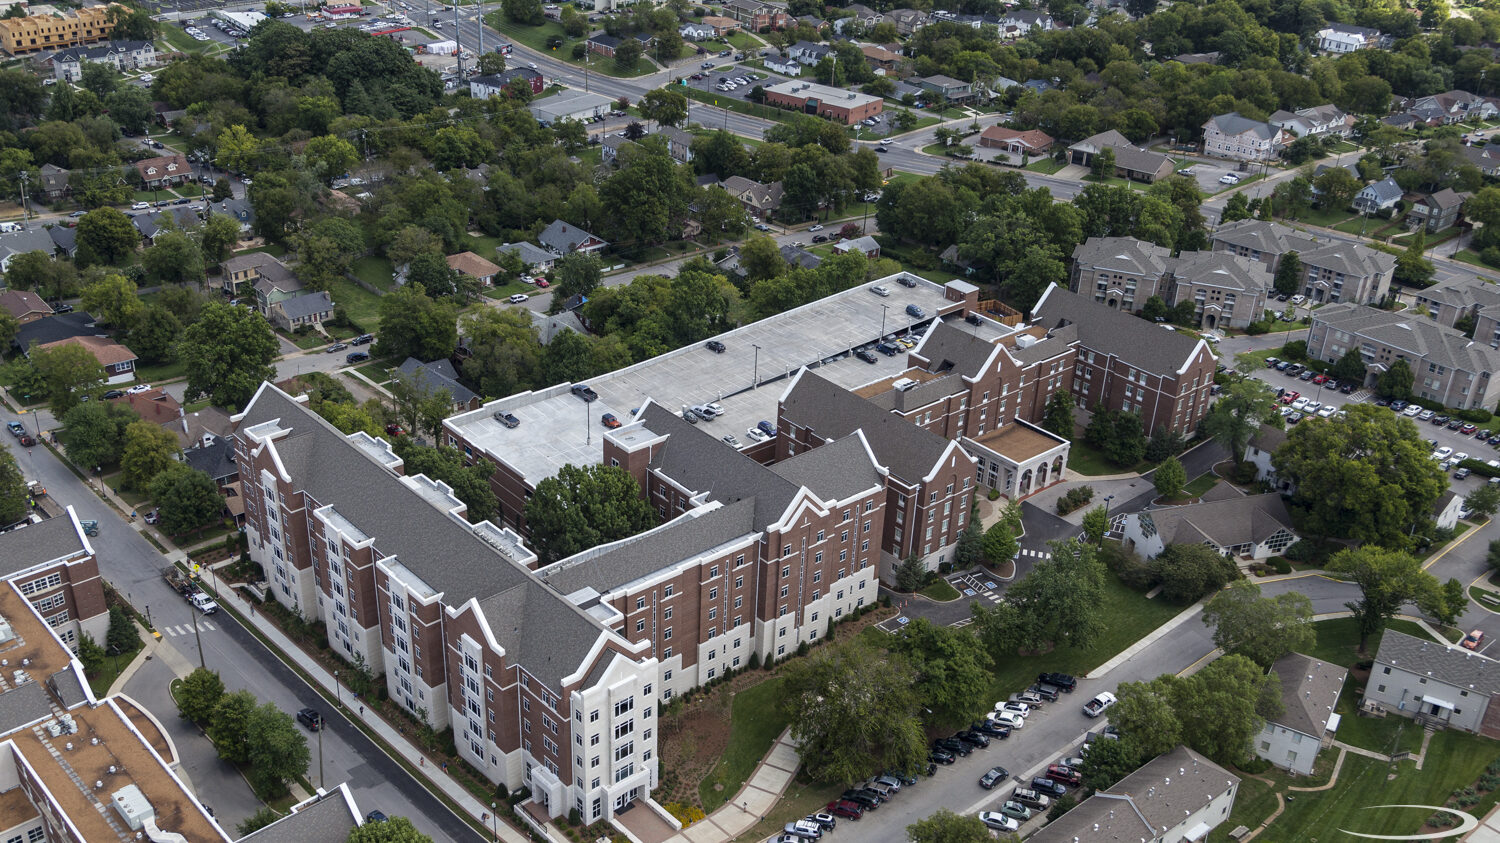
(883, 309)
(1107, 499)
(755, 371)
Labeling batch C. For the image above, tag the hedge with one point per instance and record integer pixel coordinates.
(1480, 467)
(1477, 416)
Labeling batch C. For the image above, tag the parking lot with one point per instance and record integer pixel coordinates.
(1208, 173)
(712, 77)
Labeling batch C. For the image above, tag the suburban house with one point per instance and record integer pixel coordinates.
(1377, 196)
(1232, 136)
(1259, 450)
(797, 256)
(164, 171)
(1449, 367)
(28, 239)
(843, 106)
(54, 182)
(692, 31)
(1310, 689)
(1177, 797)
(880, 58)
(808, 53)
(1335, 271)
(722, 25)
(248, 269)
(117, 360)
(52, 328)
(270, 289)
(611, 146)
(155, 406)
(1022, 22)
(1452, 107)
(1339, 38)
(1211, 57)
(216, 459)
(1031, 142)
(24, 306)
(1449, 301)
(907, 21)
(761, 200)
(1438, 685)
(64, 239)
(865, 245)
(1447, 510)
(784, 66)
(475, 267)
(67, 66)
(951, 90)
(1317, 121)
(563, 238)
(177, 218)
(1250, 527)
(1123, 273)
(431, 378)
(534, 257)
(1485, 156)
(1436, 211)
(605, 44)
(1131, 162)
(495, 84)
(295, 312)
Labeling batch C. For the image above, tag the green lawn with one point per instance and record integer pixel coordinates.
(756, 720)
(1327, 217)
(377, 370)
(1200, 486)
(110, 670)
(1045, 165)
(161, 372)
(922, 123)
(1338, 641)
(536, 37)
(362, 305)
(1388, 735)
(375, 271)
(1086, 459)
(718, 100)
(745, 42)
(1471, 257)
(940, 590)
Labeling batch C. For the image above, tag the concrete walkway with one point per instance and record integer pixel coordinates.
(756, 799)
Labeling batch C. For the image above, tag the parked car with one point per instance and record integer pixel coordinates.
(975, 739)
(881, 290)
(1049, 787)
(824, 820)
(138, 389)
(992, 777)
(1097, 705)
(1229, 178)
(1009, 718)
(1471, 641)
(363, 339)
(804, 829)
(915, 312)
(715, 346)
(1015, 810)
(906, 779)
(1017, 707)
(868, 801)
(990, 728)
(940, 756)
(1046, 693)
(609, 420)
(1032, 799)
(517, 298)
(888, 781)
(1064, 681)
(356, 357)
(338, 346)
(999, 821)
(866, 356)
(954, 746)
(1066, 775)
(507, 419)
(846, 809)
(767, 428)
(583, 391)
(153, 516)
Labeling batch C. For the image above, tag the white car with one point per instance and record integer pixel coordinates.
(1229, 178)
(1327, 411)
(1460, 456)
(1299, 405)
(1442, 453)
(146, 77)
(518, 298)
(1097, 705)
(1313, 406)
(1017, 707)
(714, 407)
(999, 821)
(816, 228)
(755, 434)
(881, 290)
(531, 64)
(138, 388)
(1298, 299)
(140, 206)
(1009, 718)
(1411, 410)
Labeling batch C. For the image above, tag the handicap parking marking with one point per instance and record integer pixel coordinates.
(989, 585)
(969, 592)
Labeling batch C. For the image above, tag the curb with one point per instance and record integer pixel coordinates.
(1155, 635)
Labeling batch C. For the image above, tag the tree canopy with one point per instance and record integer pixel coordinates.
(582, 507)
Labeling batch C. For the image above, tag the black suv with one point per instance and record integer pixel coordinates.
(310, 718)
(954, 746)
(1041, 784)
(363, 339)
(1064, 681)
(940, 756)
(867, 798)
(865, 356)
(715, 346)
(1048, 693)
(973, 738)
(991, 728)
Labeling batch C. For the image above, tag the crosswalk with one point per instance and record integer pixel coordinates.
(1040, 554)
(185, 629)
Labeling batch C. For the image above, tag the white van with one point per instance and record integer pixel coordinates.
(8, 227)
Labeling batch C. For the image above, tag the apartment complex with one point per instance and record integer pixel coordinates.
(1310, 689)
(1126, 363)
(1240, 138)
(1229, 291)
(1450, 301)
(1176, 797)
(34, 33)
(121, 55)
(1437, 685)
(1335, 271)
(1448, 366)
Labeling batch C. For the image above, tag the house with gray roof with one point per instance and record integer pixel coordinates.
(1450, 368)
(1335, 271)
(438, 375)
(64, 238)
(1437, 685)
(808, 53)
(1262, 241)
(1242, 139)
(1131, 162)
(563, 238)
(1227, 291)
(326, 817)
(532, 256)
(215, 459)
(1315, 121)
(1310, 690)
(1341, 38)
(54, 181)
(1262, 446)
(1436, 211)
(1377, 196)
(795, 255)
(307, 309)
(29, 239)
(1245, 526)
(1121, 272)
(67, 65)
(1177, 797)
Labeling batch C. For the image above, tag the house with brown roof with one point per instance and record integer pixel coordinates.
(164, 171)
(155, 406)
(117, 360)
(882, 59)
(474, 266)
(1015, 141)
(24, 305)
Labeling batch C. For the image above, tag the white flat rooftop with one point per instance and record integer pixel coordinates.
(557, 427)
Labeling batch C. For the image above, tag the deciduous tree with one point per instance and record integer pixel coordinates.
(948, 827)
(1059, 600)
(96, 432)
(1484, 500)
(582, 507)
(187, 497)
(149, 449)
(392, 829)
(1144, 711)
(114, 300)
(953, 670)
(277, 749)
(1169, 478)
(199, 695)
(174, 257)
(228, 353)
(471, 484)
(1238, 413)
(1386, 579)
(412, 324)
(666, 106)
(68, 373)
(1263, 629)
(1224, 706)
(576, 274)
(14, 497)
(1000, 544)
(1190, 571)
(1096, 525)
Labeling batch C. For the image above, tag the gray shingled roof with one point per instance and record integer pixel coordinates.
(52, 539)
(836, 471)
(1160, 795)
(832, 412)
(949, 347)
(1134, 340)
(1309, 691)
(1443, 662)
(1123, 254)
(446, 555)
(1269, 237)
(530, 254)
(1268, 438)
(1220, 269)
(1233, 521)
(698, 461)
(1233, 124)
(1351, 259)
(328, 820)
(694, 532)
(1421, 338)
(216, 460)
(299, 307)
(26, 704)
(437, 375)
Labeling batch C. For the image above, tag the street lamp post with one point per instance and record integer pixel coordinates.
(338, 700)
(320, 753)
(1107, 499)
(883, 309)
(755, 372)
(494, 821)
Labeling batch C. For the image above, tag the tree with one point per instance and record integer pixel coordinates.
(853, 712)
(1109, 761)
(149, 449)
(761, 259)
(470, 484)
(575, 274)
(970, 548)
(1190, 571)
(1118, 434)
(1169, 478)
(1262, 629)
(69, 373)
(1237, 208)
(1057, 416)
(91, 654)
(910, 574)
(722, 215)
(39, 271)
(1364, 476)
(199, 695)
(15, 499)
(113, 298)
(628, 53)
(330, 157)
(1000, 544)
(99, 78)
(952, 669)
(218, 237)
(440, 280)
(523, 11)
(222, 190)
(491, 64)
(1492, 557)
(582, 507)
(121, 636)
(1238, 413)
(174, 257)
(1350, 367)
(237, 150)
(105, 236)
(1396, 381)
(277, 749)
(187, 498)
(228, 353)
(1144, 712)
(1096, 525)
(412, 324)
(132, 23)
(1386, 579)
(418, 407)
(1104, 163)
(265, 816)
(666, 106)
(1413, 270)
(327, 249)
(392, 829)
(1058, 602)
(96, 432)
(228, 728)
(948, 827)
(1484, 500)
(1289, 274)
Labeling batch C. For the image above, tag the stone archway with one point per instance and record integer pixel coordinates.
(1025, 487)
(1057, 468)
(1041, 476)
(1113, 303)
(1210, 321)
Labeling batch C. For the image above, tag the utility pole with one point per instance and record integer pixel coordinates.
(480, 5)
(458, 39)
(25, 211)
(196, 634)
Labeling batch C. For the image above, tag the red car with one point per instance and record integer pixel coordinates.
(542, 283)
(609, 421)
(1065, 775)
(1320, 379)
(394, 429)
(1289, 397)
(846, 809)
(1468, 429)
(1471, 641)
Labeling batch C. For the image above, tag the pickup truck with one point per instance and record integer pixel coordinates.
(184, 585)
(1097, 705)
(15, 428)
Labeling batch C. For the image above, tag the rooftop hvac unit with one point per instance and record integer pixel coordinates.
(1025, 341)
(133, 806)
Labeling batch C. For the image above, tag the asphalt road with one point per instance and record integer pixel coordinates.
(132, 565)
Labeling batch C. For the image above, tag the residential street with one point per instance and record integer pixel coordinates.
(131, 564)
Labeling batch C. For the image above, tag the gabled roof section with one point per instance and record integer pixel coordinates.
(1309, 690)
(832, 412)
(696, 460)
(1443, 662)
(1123, 254)
(948, 347)
(1101, 328)
(1233, 521)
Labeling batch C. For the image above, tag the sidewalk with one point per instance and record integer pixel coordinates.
(759, 795)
